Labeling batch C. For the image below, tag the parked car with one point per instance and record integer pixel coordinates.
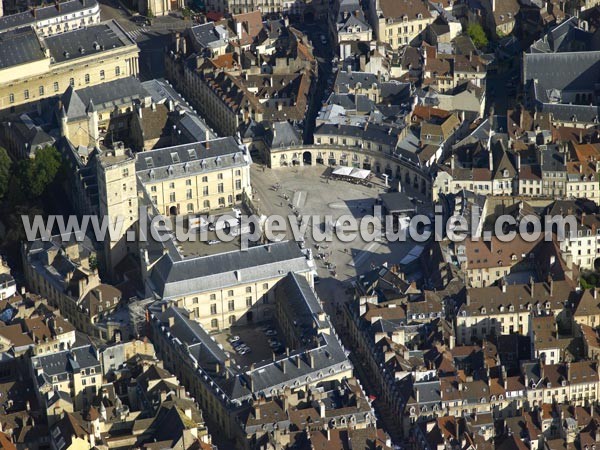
(275, 344)
(233, 339)
(237, 344)
(271, 332)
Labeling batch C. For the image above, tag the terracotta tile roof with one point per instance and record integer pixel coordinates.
(16, 335)
(492, 298)
(422, 112)
(590, 336)
(396, 9)
(481, 254)
(251, 26)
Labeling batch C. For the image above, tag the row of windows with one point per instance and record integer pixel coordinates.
(188, 182)
(230, 305)
(205, 204)
(205, 189)
(230, 292)
(56, 86)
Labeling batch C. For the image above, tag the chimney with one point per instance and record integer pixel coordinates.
(283, 365)
(491, 160)
(171, 322)
(321, 409)
(257, 409)
(531, 285)
(188, 413)
(595, 291)
(311, 358)
(551, 284)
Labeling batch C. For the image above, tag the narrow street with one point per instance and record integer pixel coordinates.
(324, 55)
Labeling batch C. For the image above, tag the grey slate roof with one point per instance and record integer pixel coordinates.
(207, 34)
(19, 46)
(328, 357)
(351, 14)
(576, 70)
(283, 134)
(552, 160)
(397, 202)
(345, 80)
(60, 364)
(104, 96)
(30, 132)
(374, 132)
(301, 302)
(45, 13)
(197, 157)
(561, 38)
(206, 273)
(85, 41)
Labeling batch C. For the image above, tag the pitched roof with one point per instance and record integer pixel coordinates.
(396, 9)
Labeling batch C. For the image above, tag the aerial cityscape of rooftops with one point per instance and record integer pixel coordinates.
(300, 225)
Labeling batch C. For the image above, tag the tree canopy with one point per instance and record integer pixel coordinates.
(477, 35)
(35, 175)
(5, 165)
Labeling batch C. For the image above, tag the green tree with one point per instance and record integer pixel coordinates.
(477, 34)
(5, 164)
(35, 175)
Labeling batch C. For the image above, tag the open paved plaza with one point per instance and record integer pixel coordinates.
(307, 190)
